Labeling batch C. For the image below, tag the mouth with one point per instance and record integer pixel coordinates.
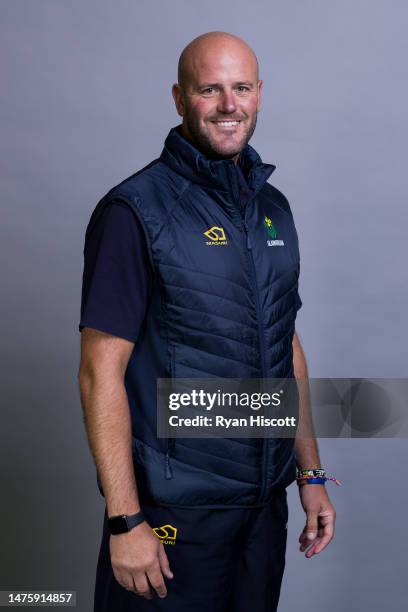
(227, 124)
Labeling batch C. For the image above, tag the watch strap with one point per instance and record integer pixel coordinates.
(123, 523)
(135, 519)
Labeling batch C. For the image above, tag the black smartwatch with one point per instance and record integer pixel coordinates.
(124, 523)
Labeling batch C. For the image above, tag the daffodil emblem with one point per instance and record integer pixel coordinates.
(268, 224)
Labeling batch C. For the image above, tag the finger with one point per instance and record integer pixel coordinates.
(323, 542)
(142, 586)
(311, 551)
(317, 548)
(303, 539)
(307, 538)
(123, 579)
(128, 583)
(164, 562)
(306, 543)
(325, 536)
(311, 526)
(156, 580)
(307, 546)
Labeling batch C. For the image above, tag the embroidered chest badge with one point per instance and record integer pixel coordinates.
(272, 233)
(216, 236)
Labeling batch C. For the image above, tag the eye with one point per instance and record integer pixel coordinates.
(242, 88)
(208, 90)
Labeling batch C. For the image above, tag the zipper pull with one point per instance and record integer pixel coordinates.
(168, 469)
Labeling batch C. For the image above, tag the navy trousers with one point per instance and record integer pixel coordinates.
(223, 560)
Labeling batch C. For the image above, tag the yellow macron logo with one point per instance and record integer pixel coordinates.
(166, 533)
(216, 236)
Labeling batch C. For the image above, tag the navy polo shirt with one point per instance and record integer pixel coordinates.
(118, 277)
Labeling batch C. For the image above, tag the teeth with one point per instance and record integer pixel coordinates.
(227, 123)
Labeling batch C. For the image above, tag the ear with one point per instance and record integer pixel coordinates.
(260, 83)
(178, 97)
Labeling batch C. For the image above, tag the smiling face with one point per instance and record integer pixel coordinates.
(218, 94)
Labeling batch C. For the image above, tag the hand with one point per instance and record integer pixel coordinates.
(139, 560)
(320, 519)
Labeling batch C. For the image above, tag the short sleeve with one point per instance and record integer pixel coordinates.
(117, 276)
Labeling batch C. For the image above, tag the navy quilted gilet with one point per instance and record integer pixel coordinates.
(224, 304)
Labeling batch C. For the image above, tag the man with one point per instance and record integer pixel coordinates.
(191, 270)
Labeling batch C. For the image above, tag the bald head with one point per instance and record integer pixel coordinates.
(209, 47)
(218, 93)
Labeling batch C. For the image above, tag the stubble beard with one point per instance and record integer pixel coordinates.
(207, 145)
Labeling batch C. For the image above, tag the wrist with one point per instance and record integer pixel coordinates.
(305, 482)
(123, 506)
(313, 476)
(123, 523)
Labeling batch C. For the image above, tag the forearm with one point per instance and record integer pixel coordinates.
(307, 454)
(306, 449)
(108, 426)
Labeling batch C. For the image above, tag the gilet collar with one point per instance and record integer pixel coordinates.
(184, 158)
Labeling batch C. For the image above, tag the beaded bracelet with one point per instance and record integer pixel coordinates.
(315, 476)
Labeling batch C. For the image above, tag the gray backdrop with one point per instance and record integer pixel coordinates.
(87, 102)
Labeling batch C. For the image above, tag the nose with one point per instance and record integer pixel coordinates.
(226, 102)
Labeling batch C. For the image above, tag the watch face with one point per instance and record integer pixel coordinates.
(118, 524)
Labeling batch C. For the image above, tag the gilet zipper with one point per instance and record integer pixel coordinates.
(243, 209)
(265, 444)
